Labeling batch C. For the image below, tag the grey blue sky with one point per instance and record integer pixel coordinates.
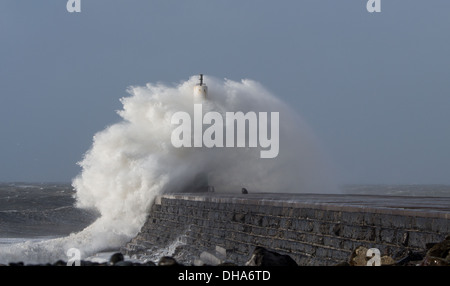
(375, 88)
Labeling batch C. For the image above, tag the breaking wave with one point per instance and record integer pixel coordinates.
(133, 161)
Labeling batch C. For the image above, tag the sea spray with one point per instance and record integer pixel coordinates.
(133, 161)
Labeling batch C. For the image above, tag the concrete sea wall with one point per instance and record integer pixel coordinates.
(313, 229)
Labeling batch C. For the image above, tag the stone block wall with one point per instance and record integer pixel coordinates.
(312, 234)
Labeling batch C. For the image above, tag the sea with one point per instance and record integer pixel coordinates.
(34, 212)
(39, 211)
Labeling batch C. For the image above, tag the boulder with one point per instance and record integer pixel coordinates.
(227, 264)
(115, 258)
(359, 258)
(441, 249)
(387, 260)
(438, 254)
(168, 261)
(434, 261)
(60, 263)
(409, 258)
(264, 257)
(149, 263)
(16, 263)
(344, 263)
(87, 263)
(123, 263)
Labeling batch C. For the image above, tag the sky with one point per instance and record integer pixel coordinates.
(373, 87)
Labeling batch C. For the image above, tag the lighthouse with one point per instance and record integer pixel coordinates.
(200, 182)
(200, 90)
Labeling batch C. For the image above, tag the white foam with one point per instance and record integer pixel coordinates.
(132, 161)
(16, 240)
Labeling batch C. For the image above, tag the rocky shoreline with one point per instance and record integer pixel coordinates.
(436, 254)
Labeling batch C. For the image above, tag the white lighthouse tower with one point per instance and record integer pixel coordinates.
(200, 90)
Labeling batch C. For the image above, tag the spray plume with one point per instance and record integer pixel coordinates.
(134, 160)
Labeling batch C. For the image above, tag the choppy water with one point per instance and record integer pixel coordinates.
(36, 212)
(399, 190)
(39, 211)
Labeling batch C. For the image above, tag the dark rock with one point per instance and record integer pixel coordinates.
(168, 261)
(123, 263)
(429, 245)
(438, 254)
(60, 263)
(136, 264)
(358, 257)
(16, 264)
(149, 263)
(116, 257)
(387, 260)
(344, 263)
(440, 249)
(264, 257)
(102, 264)
(409, 258)
(87, 263)
(434, 261)
(244, 191)
(227, 264)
